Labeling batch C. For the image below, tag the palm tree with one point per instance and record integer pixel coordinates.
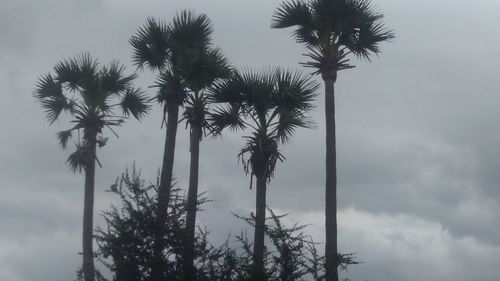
(273, 105)
(90, 93)
(211, 66)
(172, 50)
(331, 30)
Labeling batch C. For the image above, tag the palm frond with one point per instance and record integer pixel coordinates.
(47, 87)
(362, 29)
(196, 112)
(326, 13)
(80, 72)
(150, 45)
(211, 66)
(54, 106)
(263, 154)
(257, 89)
(227, 90)
(95, 99)
(295, 91)
(299, 14)
(68, 73)
(291, 13)
(134, 102)
(87, 71)
(88, 68)
(80, 158)
(91, 120)
(306, 35)
(362, 11)
(190, 37)
(223, 117)
(288, 122)
(63, 137)
(326, 27)
(367, 39)
(171, 88)
(50, 94)
(113, 80)
(326, 58)
(190, 31)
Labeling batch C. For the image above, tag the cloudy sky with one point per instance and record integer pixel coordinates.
(418, 137)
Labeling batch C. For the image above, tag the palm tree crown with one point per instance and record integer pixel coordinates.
(211, 67)
(174, 50)
(272, 104)
(332, 29)
(90, 93)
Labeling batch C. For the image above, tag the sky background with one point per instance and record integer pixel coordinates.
(418, 137)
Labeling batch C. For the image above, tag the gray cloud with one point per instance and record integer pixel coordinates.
(417, 138)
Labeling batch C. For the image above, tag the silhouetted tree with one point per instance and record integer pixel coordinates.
(211, 65)
(273, 104)
(126, 243)
(130, 232)
(331, 30)
(90, 93)
(173, 50)
(293, 255)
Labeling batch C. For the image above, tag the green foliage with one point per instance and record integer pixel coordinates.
(128, 236)
(196, 112)
(332, 29)
(80, 158)
(212, 66)
(150, 45)
(182, 53)
(273, 104)
(293, 255)
(89, 92)
(126, 242)
(98, 275)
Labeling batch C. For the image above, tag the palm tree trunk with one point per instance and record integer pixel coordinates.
(88, 213)
(164, 191)
(260, 224)
(191, 206)
(331, 256)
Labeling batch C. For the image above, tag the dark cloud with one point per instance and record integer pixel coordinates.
(417, 138)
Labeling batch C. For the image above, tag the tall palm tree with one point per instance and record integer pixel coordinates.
(171, 50)
(272, 105)
(90, 93)
(211, 66)
(331, 30)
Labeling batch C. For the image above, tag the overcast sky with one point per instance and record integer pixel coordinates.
(418, 137)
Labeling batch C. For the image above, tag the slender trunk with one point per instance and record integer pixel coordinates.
(88, 213)
(164, 191)
(191, 206)
(331, 256)
(260, 224)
